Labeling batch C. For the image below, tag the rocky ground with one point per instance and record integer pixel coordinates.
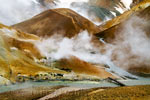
(72, 93)
(120, 93)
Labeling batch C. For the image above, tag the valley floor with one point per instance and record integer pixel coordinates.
(72, 93)
(77, 90)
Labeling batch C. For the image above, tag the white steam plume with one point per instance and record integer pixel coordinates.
(57, 47)
(132, 45)
(83, 8)
(14, 11)
(130, 48)
(68, 3)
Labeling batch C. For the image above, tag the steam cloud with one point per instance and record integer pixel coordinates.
(57, 47)
(130, 48)
(132, 45)
(15, 11)
(83, 7)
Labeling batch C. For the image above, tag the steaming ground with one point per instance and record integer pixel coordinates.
(130, 48)
(57, 47)
(80, 46)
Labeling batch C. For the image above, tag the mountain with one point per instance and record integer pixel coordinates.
(16, 55)
(57, 21)
(108, 9)
(20, 56)
(129, 34)
(20, 60)
(109, 27)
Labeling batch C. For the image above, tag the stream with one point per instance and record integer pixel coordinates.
(78, 84)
